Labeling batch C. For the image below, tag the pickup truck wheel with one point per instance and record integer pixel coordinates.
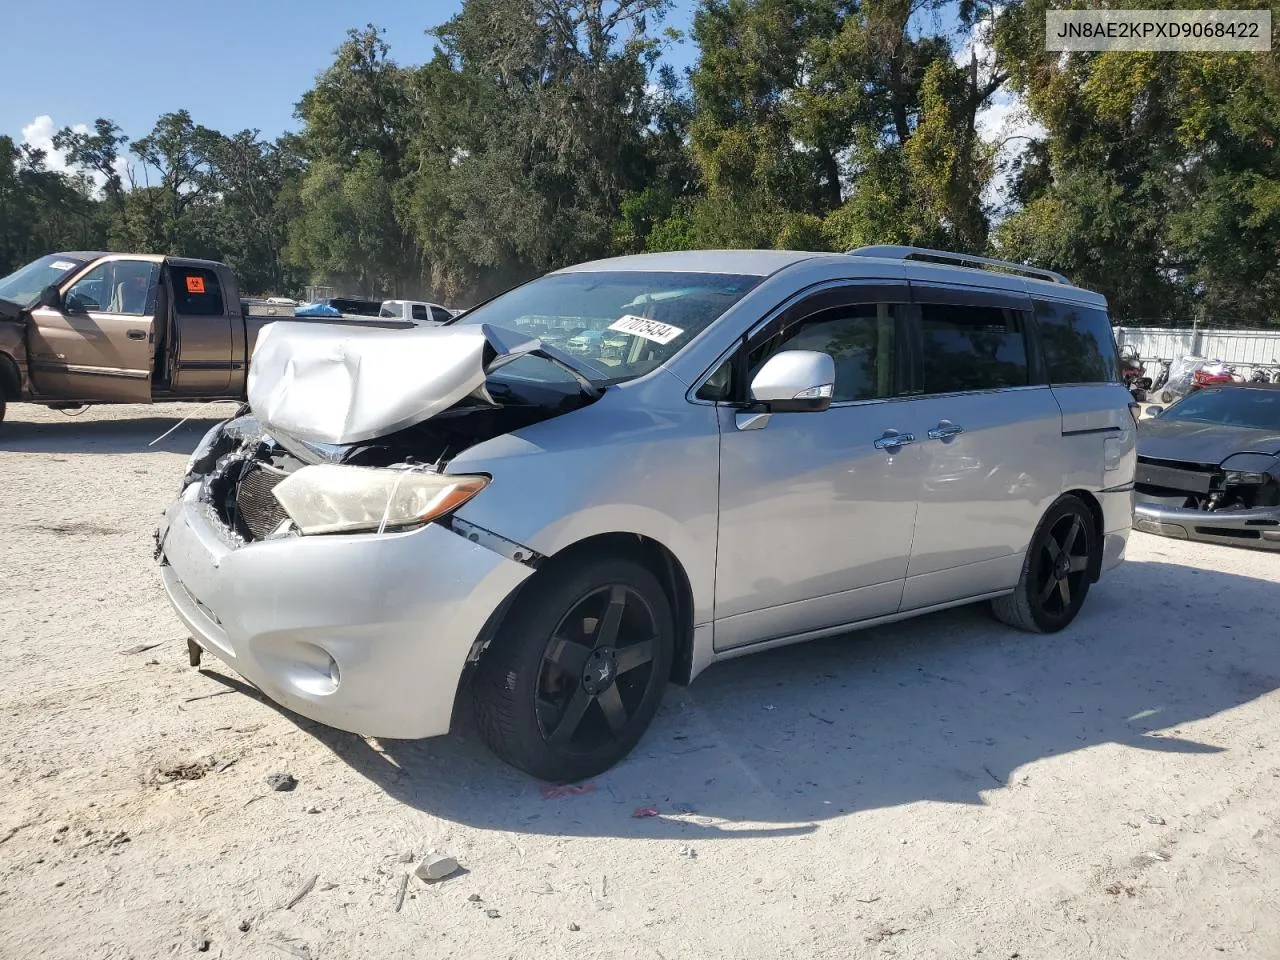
(1055, 574)
(577, 670)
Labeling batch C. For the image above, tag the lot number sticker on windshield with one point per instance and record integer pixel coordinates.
(195, 284)
(61, 265)
(662, 333)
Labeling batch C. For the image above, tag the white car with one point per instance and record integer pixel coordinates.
(417, 311)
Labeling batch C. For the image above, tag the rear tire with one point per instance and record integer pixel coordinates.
(577, 669)
(1056, 572)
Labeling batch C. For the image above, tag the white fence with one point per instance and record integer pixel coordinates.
(1243, 349)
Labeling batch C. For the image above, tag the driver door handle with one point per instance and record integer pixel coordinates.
(136, 334)
(945, 430)
(892, 440)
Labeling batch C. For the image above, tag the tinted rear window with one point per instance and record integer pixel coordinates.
(1077, 343)
(196, 292)
(972, 348)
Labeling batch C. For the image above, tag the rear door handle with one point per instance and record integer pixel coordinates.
(137, 334)
(945, 430)
(893, 440)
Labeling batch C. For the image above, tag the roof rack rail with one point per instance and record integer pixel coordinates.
(893, 252)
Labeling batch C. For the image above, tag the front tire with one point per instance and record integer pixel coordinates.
(1056, 573)
(576, 672)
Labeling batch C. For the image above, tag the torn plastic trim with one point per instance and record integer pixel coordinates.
(323, 384)
(496, 542)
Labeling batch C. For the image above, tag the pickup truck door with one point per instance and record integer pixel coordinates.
(202, 325)
(98, 346)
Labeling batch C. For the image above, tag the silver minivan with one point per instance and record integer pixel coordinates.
(613, 476)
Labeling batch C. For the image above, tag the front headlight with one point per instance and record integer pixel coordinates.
(333, 498)
(1240, 477)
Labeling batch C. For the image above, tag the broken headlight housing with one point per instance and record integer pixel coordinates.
(335, 498)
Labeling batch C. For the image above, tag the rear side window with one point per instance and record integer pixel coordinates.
(972, 348)
(1077, 343)
(441, 315)
(196, 292)
(420, 312)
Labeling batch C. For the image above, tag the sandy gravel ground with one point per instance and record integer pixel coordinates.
(943, 788)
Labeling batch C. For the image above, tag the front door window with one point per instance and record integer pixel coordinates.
(118, 286)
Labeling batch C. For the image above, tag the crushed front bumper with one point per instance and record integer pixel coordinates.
(367, 633)
(1259, 528)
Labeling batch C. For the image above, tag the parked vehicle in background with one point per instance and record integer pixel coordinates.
(417, 311)
(784, 446)
(340, 307)
(1181, 380)
(89, 327)
(1132, 374)
(1209, 467)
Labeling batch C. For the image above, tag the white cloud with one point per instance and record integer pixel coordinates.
(39, 133)
(1006, 121)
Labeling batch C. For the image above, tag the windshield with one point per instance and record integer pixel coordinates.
(1231, 406)
(24, 285)
(619, 325)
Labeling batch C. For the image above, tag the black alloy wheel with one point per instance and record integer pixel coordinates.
(596, 668)
(577, 670)
(1060, 564)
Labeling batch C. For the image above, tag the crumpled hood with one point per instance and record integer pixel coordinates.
(1191, 441)
(338, 385)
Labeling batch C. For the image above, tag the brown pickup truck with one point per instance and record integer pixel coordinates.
(89, 327)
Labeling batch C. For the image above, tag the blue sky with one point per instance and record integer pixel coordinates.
(233, 63)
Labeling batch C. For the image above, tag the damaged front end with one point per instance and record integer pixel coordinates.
(1236, 502)
(347, 433)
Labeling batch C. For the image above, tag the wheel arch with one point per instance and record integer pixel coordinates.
(654, 555)
(10, 378)
(1095, 510)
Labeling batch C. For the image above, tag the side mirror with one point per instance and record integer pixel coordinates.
(794, 381)
(1154, 411)
(50, 297)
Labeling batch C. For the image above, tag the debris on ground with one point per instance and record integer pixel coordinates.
(191, 770)
(492, 914)
(206, 696)
(883, 933)
(245, 926)
(435, 867)
(303, 889)
(475, 898)
(1154, 820)
(140, 648)
(574, 927)
(310, 809)
(404, 885)
(224, 765)
(406, 857)
(281, 781)
(643, 812)
(302, 953)
(203, 944)
(1115, 889)
(688, 851)
(552, 790)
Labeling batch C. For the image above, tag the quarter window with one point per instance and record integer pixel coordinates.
(972, 348)
(1077, 343)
